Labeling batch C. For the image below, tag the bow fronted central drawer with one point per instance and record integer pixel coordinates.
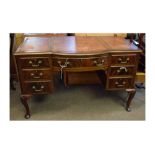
(80, 62)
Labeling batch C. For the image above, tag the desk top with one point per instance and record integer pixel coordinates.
(75, 45)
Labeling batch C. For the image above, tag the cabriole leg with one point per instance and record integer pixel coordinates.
(131, 94)
(24, 99)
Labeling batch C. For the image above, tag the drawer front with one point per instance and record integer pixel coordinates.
(121, 71)
(34, 62)
(40, 74)
(120, 83)
(123, 59)
(89, 62)
(37, 87)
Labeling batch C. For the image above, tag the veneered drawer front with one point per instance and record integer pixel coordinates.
(89, 62)
(40, 74)
(120, 83)
(34, 62)
(129, 59)
(37, 87)
(121, 71)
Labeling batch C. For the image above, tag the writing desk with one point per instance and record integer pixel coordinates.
(38, 58)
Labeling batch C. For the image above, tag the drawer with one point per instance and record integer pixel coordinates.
(40, 74)
(33, 62)
(121, 71)
(129, 59)
(37, 87)
(80, 62)
(120, 83)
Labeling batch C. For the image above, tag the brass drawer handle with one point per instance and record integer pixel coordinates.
(36, 77)
(35, 65)
(122, 68)
(63, 66)
(99, 64)
(120, 85)
(38, 90)
(123, 62)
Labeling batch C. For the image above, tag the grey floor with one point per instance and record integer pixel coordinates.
(79, 102)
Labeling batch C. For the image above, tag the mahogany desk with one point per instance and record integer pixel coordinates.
(38, 58)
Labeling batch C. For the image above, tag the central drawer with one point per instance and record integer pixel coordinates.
(80, 62)
(37, 87)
